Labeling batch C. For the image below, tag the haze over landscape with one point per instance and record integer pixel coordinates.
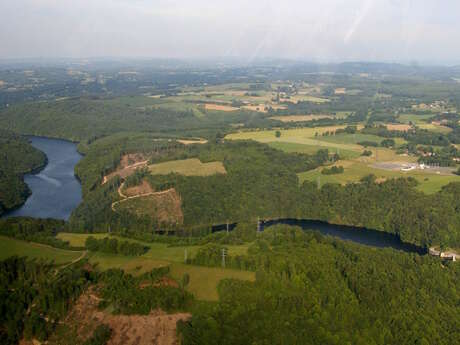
(408, 31)
(229, 172)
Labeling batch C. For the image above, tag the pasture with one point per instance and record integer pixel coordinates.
(10, 247)
(203, 280)
(301, 118)
(354, 171)
(304, 140)
(187, 167)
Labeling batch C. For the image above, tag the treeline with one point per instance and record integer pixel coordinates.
(310, 289)
(34, 230)
(126, 295)
(262, 182)
(33, 298)
(394, 206)
(86, 118)
(17, 157)
(256, 175)
(113, 246)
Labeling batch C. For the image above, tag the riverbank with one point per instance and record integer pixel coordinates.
(446, 255)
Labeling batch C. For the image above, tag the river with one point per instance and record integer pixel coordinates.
(56, 192)
(55, 189)
(368, 237)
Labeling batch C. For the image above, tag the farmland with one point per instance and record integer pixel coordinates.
(203, 280)
(307, 140)
(10, 247)
(187, 167)
(170, 154)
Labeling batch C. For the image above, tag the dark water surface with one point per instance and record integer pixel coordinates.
(368, 237)
(55, 189)
(364, 236)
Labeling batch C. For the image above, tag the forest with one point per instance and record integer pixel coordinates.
(314, 290)
(262, 182)
(17, 157)
(295, 286)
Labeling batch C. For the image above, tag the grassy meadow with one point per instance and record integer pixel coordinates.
(10, 247)
(203, 280)
(310, 140)
(187, 167)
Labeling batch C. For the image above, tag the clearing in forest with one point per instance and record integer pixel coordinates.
(187, 167)
(398, 127)
(157, 327)
(164, 207)
(10, 247)
(302, 118)
(128, 164)
(203, 280)
(219, 107)
(143, 188)
(192, 141)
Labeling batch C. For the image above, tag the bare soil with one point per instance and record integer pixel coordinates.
(190, 142)
(398, 127)
(212, 106)
(301, 118)
(128, 164)
(143, 188)
(156, 328)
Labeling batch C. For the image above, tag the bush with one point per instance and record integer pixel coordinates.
(100, 336)
(366, 153)
(113, 246)
(333, 170)
(368, 143)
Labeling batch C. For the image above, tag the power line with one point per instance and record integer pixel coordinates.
(224, 254)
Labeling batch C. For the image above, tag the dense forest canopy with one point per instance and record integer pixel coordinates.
(162, 165)
(17, 157)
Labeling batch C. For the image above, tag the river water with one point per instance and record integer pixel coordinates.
(55, 189)
(56, 192)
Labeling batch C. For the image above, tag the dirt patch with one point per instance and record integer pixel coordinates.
(190, 142)
(188, 167)
(155, 328)
(143, 188)
(262, 108)
(340, 91)
(301, 118)
(163, 281)
(128, 164)
(398, 127)
(164, 207)
(219, 107)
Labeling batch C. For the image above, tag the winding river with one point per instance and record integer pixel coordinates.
(56, 192)
(55, 189)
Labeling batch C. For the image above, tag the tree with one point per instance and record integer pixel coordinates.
(277, 134)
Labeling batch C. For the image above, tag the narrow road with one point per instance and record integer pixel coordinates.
(81, 257)
(128, 167)
(136, 196)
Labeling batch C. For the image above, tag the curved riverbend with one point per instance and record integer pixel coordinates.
(55, 189)
(368, 237)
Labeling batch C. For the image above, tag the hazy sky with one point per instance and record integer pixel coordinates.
(426, 31)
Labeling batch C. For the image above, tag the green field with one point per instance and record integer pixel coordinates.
(10, 247)
(354, 171)
(310, 140)
(435, 128)
(312, 149)
(304, 140)
(187, 167)
(414, 118)
(203, 280)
